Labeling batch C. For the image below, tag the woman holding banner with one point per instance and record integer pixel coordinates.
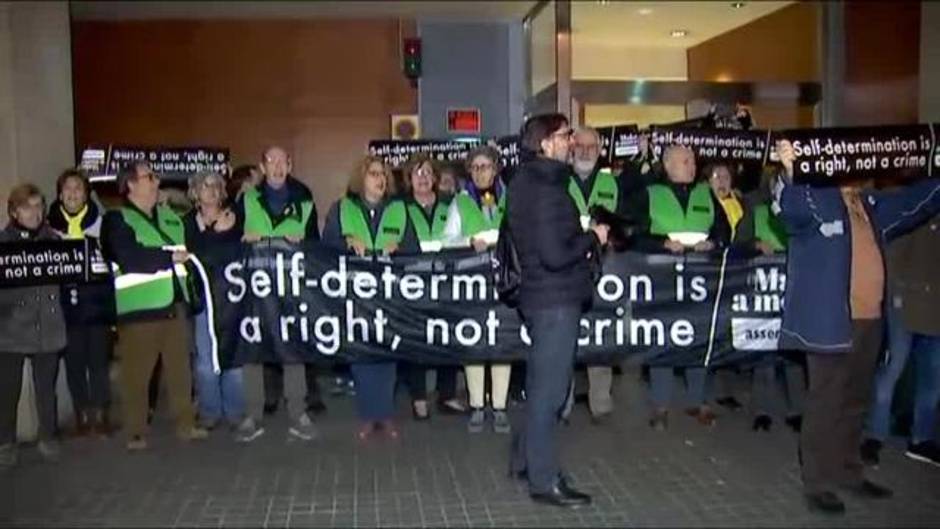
(473, 220)
(31, 327)
(89, 310)
(209, 226)
(368, 222)
(427, 216)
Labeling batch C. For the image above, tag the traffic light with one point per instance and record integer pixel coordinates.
(412, 58)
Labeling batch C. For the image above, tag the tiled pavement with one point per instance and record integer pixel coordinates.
(438, 475)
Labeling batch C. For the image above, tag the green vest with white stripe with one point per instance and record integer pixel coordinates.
(136, 292)
(423, 230)
(353, 223)
(604, 193)
(667, 215)
(258, 222)
(472, 219)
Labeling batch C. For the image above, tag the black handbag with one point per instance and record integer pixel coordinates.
(506, 263)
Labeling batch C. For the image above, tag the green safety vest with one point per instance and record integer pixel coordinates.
(258, 222)
(667, 216)
(136, 292)
(424, 231)
(352, 220)
(604, 192)
(769, 229)
(472, 219)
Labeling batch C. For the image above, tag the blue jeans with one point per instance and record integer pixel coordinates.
(217, 396)
(926, 353)
(698, 382)
(550, 365)
(375, 390)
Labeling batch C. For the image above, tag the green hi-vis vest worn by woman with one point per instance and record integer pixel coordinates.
(142, 292)
(667, 216)
(257, 220)
(472, 219)
(424, 231)
(604, 193)
(769, 229)
(353, 223)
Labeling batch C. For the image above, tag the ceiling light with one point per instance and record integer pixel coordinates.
(644, 11)
(603, 2)
(679, 33)
(738, 5)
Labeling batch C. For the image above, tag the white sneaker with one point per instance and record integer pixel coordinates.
(303, 428)
(49, 450)
(248, 431)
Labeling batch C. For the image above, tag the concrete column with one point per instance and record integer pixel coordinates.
(832, 64)
(929, 104)
(36, 114)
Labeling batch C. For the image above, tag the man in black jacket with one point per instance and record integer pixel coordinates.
(556, 288)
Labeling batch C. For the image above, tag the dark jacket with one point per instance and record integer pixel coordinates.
(90, 303)
(914, 277)
(817, 315)
(120, 246)
(31, 318)
(547, 233)
(638, 211)
(333, 230)
(297, 193)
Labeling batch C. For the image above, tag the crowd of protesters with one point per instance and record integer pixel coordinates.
(828, 382)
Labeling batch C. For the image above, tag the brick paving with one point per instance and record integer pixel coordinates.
(438, 475)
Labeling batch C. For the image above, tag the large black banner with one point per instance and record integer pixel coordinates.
(280, 302)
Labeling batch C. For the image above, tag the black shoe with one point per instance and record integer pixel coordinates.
(573, 493)
(926, 452)
(270, 408)
(869, 452)
(763, 422)
(316, 407)
(795, 422)
(825, 502)
(869, 490)
(447, 407)
(561, 497)
(729, 402)
(600, 419)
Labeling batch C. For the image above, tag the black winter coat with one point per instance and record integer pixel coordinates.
(547, 233)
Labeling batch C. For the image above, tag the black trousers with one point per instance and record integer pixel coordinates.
(45, 369)
(274, 384)
(87, 363)
(416, 377)
(840, 393)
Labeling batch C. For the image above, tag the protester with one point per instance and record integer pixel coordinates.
(146, 244)
(592, 186)
(427, 216)
(449, 181)
(31, 327)
(213, 226)
(913, 331)
(89, 310)
(832, 310)
(555, 289)
(473, 220)
(243, 178)
(367, 221)
(667, 215)
(281, 206)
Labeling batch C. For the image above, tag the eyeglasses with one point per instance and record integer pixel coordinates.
(424, 171)
(481, 167)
